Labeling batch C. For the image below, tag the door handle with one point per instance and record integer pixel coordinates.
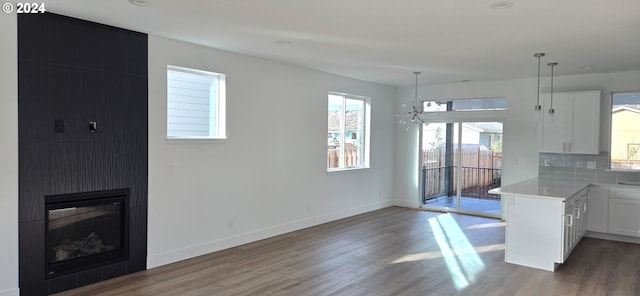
(569, 220)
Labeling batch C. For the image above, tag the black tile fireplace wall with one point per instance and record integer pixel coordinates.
(73, 74)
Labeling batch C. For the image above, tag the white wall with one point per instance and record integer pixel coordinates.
(270, 176)
(8, 156)
(520, 129)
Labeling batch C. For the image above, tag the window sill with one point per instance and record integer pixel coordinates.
(329, 171)
(621, 170)
(195, 140)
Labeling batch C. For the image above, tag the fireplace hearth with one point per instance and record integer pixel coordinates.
(85, 230)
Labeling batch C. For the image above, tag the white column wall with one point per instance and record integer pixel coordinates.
(9, 155)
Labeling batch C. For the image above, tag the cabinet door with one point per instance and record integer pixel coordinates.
(553, 126)
(532, 239)
(583, 128)
(623, 216)
(598, 208)
(574, 127)
(569, 229)
(584, 215)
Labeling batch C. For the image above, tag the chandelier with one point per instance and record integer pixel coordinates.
(413, 113)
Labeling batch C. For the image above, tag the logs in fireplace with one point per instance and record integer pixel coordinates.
(86, 230)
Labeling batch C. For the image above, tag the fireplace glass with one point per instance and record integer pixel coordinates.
(85, 230)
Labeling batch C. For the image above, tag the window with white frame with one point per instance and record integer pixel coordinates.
(195, 104)
(348, 132)
(625, 131)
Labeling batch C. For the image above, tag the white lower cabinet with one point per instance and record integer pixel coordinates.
(541, 232)
(623, 216)
(576, 218)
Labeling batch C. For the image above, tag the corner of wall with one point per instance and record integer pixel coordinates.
(9, 156)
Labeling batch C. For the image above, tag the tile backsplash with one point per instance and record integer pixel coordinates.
(577, 167)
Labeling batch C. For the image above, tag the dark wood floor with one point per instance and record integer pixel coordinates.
(393, 251)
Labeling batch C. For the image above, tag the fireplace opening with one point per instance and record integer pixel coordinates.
(86, 230)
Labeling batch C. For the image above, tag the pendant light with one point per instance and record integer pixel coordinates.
(538, 107)
(552, 65)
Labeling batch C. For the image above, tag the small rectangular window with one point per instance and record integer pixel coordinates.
(625, 131)
(195, 104)
(482, 104)
(347, 136)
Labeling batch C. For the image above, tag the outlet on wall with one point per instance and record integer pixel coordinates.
(591, 164)
(547, 162)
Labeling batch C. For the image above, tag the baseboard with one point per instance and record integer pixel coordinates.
(10, 292)
(405, 203)
(229, 242)
(613, 237)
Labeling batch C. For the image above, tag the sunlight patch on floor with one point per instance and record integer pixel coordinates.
(486, 225)
(458, 252)
(463, 268)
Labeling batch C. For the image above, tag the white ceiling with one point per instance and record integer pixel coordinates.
(385, 41)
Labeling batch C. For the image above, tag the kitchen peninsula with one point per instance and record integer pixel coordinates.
(545, 220)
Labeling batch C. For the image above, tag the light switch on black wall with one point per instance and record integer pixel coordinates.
(93, 126)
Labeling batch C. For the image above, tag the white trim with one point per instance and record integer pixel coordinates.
(195, 140)
(194, 71)
(619, 108)
(347, 169)
(475, 116)
(405, 203)
(613, 237)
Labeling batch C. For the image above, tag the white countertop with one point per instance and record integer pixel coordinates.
(543, 188)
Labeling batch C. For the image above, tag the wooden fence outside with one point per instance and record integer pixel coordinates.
(480, 172)
(350, 157)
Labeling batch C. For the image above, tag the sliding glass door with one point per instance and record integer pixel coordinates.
(461, 162)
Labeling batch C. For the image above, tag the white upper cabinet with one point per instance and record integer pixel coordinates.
(574, 127)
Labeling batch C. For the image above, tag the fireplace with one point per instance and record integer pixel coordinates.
(85, 230)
